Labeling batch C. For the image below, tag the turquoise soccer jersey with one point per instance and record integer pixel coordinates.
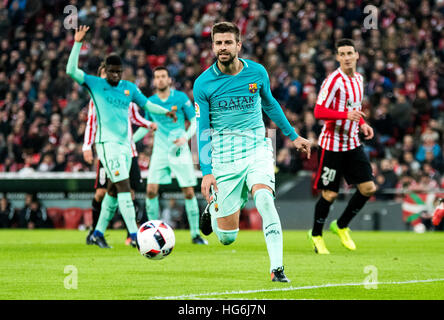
(229, 113)
(112, 107)
(167, 130)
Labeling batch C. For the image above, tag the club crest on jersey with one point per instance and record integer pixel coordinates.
(324, 94)
(117, 173)
(252, 87)
(197, 109)
(127, 92)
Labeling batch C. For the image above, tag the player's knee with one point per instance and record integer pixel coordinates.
(151, 194)
(330, 196)
(188, 193)
(100, 194)
(227, 237)
(368, 190)
(151, 191)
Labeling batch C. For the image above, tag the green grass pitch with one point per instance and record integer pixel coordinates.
(57, 264)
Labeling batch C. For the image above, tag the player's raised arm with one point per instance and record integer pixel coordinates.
(72, 67)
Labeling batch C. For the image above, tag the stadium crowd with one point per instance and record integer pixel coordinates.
(43, 112)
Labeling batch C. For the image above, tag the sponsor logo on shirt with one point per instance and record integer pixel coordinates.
(197, 109)
(236, 103)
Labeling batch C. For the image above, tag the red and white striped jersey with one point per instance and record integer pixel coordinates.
(340, 93)
(91, 126)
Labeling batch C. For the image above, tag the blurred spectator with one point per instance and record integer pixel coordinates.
(173, 215)
(428, 145)
(33, 215)
(401, 113)
(8, 217)
(401, 62)
(386, 181)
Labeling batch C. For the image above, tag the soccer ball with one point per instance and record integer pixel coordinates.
(156, 239)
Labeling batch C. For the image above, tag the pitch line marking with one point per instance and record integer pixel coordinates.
(328, 285)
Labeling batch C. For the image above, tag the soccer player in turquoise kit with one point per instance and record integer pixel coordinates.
(234, 154)
(112, 97)
(171, 153)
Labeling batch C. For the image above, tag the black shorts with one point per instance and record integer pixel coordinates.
(353, 165)
(135, 176)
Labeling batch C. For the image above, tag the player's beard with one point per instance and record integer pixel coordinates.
(162, 89)
(226, 62)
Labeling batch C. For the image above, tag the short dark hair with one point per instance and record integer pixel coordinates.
(344, 43)
(225, 27)
(113, 59)
(161, 68)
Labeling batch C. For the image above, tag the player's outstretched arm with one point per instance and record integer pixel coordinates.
(156, 109)
(303, 145)
(72, 68)
(140, 133)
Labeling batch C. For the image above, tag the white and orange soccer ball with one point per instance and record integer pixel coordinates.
(155, 239)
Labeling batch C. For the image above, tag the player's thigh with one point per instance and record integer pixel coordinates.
(116, 159)
(357, 168)
(330, 171)
(159, 171)
(260, 172)
(232, 192)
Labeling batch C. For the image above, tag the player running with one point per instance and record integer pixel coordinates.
(112, 97)
(171, 153)
(339, 105)
(101, 178)
(234, 154)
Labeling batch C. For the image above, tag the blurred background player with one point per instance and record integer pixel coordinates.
(234, 154)
(112, 97)
(439, 212)
(171, 153)
(339, 104)
(101, 178)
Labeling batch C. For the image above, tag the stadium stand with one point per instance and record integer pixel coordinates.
(43, 112)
